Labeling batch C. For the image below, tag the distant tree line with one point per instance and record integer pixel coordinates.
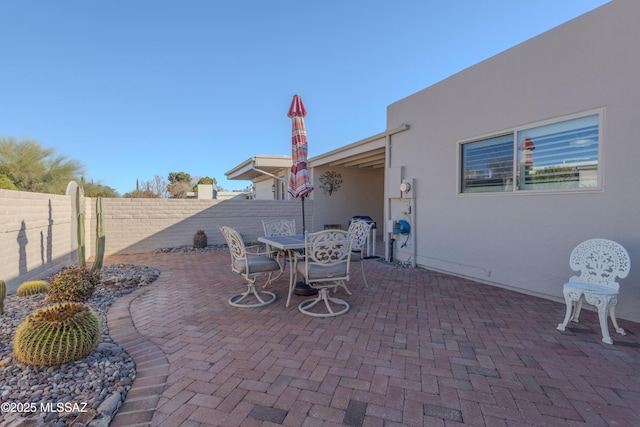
(25, 165)
(177, 186)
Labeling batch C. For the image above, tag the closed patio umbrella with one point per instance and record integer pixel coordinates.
(299, 180)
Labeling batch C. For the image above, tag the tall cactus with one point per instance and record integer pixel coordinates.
(3, 293)
(100, 239)
(82, 262)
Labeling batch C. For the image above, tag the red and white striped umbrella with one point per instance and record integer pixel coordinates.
(299, 181)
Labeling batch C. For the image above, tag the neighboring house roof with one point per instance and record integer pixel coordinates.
(258, 166)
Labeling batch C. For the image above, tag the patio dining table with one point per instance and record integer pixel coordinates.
(290, 244)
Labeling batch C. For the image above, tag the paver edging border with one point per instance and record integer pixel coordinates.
(152, 366)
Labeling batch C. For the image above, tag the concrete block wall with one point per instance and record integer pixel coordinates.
(38, 231)
(36, 236)
(144, 225)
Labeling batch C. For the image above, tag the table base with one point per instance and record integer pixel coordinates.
(303, 289)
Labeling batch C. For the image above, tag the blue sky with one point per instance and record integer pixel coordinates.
(134, 89)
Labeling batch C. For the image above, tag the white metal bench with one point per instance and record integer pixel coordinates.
(600, 262)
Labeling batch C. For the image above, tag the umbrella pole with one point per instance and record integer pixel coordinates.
(304, 229)
(301, 287)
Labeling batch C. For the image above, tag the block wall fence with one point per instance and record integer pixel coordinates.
(38, 231)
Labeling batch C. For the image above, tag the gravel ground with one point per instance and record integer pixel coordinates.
(85, 392)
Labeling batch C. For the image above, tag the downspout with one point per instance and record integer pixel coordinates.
(387, 164)
(387, 200)
(414, 238)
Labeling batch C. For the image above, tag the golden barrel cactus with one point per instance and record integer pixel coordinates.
(57, 334)
(32, 287)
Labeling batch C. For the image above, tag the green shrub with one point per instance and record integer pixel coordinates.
(6, 183)
(32, 287)
(57, 334)
(73, 284)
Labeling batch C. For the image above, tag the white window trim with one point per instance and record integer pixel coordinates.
(514, 131)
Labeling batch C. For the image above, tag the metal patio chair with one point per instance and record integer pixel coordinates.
(325, 266)
(250, 265)
(279, 227)
(360, 231)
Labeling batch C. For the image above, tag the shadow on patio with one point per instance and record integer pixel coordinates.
(416, 348)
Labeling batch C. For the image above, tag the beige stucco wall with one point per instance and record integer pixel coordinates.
(264, 189)
(361, 193)
(524, 240)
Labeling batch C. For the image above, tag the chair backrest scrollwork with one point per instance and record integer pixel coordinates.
(237, 248)
(279, 227)
(330, 251)
(360, 231)
(600, 262)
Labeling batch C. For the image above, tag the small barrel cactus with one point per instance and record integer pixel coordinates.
(57, 334)
(3, 293)
(200, 239)
(32, 287)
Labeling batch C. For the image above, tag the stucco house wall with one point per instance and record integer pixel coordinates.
(263, 189)
(268, 188)
(523, 240)
(361, 193)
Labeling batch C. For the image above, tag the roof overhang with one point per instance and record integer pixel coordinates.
(366, 153)
(259, 166)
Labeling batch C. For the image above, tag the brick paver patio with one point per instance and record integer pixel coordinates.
(417, 348)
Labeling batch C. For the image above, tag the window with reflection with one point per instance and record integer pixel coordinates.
(554, 156)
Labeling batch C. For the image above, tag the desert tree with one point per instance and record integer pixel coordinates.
(159, 186)
(179, 184)
(32, 167)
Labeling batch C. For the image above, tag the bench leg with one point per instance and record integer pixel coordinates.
(578, 308)
(612, 313)
(602, 316)
(567, 316)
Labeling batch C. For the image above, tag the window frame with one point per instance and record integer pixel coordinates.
(518, 130)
